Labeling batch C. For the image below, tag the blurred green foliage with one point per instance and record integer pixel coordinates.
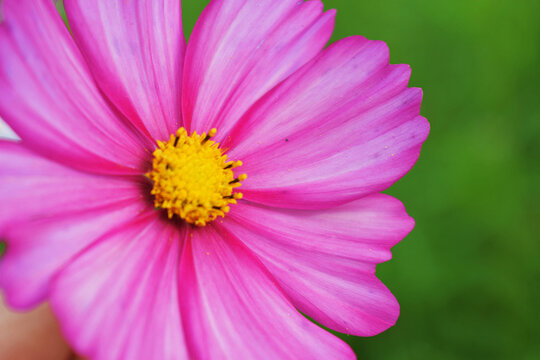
(60, 6)
(2, 247)
(467, 277)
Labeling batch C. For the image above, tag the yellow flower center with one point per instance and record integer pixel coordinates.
(193, 179)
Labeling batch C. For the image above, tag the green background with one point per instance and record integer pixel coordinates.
(468, 276)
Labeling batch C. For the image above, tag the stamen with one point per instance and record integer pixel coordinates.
(210, 135)
(193, 179)
(238, 179)
(233, 164)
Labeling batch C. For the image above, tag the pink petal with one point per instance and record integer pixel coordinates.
(49, 98)
(48, 214)
(342, 127)
(119, 298)
(240, 49)
(233, 309)
(32, 187)
(136, 51)
(325, 260)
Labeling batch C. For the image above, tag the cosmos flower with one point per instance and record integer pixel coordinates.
(177, 201)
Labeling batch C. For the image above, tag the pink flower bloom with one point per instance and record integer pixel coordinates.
(320, 133)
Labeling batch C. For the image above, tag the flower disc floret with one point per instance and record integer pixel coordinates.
(193, 179)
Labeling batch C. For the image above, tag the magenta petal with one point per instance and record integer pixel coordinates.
(36, 251)
(119, 298)
(33, 188)
(342, 127)
(48, 214)
(136, 50)
(241, 49)
(234, 309)
(325, 260)
(49, 98)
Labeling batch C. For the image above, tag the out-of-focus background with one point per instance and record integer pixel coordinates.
(468, 276)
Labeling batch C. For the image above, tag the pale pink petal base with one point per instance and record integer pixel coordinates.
(234, 310)
(325, 260)
(119, 299)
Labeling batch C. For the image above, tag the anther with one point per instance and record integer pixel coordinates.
(233, 164)
(210, 135)
(238, 179)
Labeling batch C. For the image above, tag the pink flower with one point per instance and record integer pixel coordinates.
(319, 132)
